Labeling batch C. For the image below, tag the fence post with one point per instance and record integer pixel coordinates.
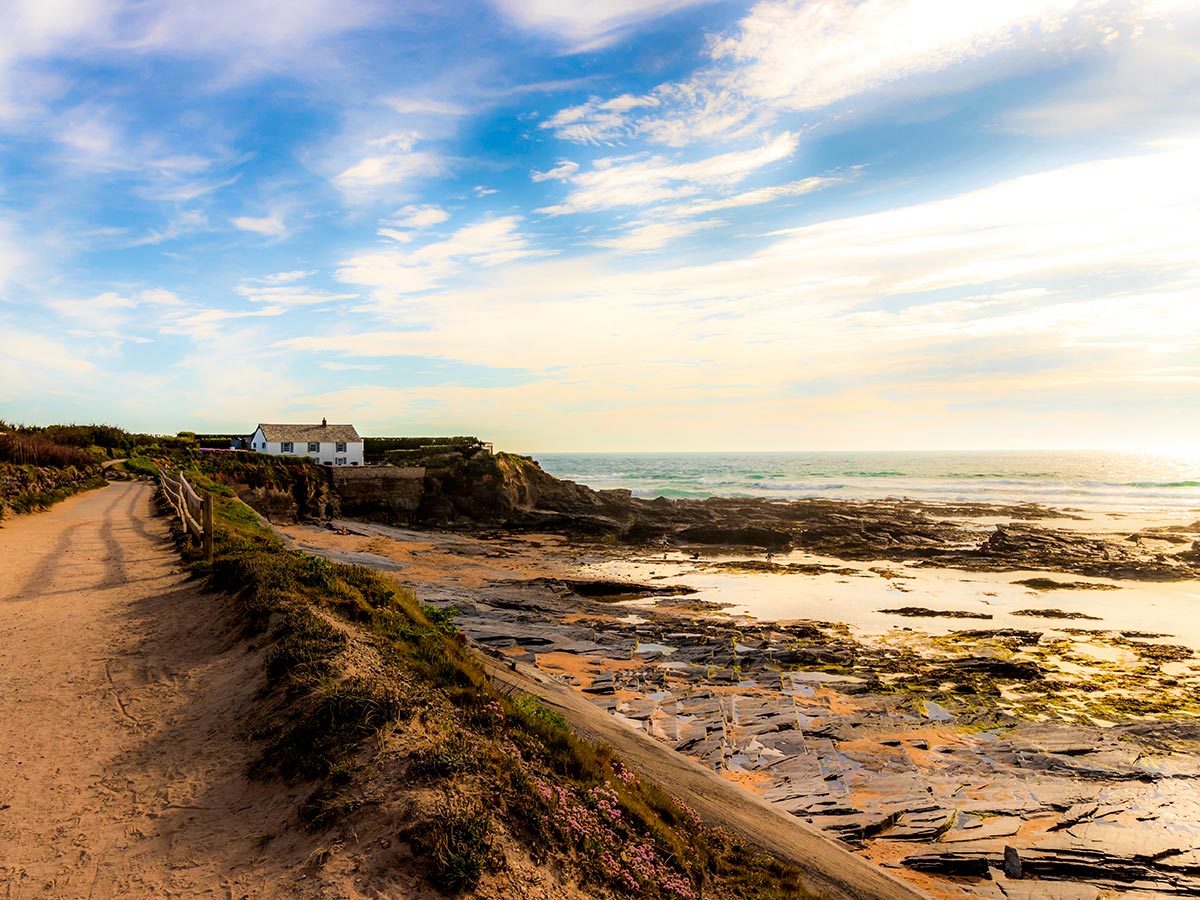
(208, 526)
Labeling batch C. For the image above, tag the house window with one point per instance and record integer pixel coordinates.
(341, 447)
(314, 447)
(286, 447)
(341, 461)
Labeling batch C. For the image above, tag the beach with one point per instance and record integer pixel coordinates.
(984, 725)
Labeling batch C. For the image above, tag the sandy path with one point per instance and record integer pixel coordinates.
(121, 687)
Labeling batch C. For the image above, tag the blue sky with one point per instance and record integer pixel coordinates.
(612, 225)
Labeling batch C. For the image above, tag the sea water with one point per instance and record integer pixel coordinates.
(1109, 481)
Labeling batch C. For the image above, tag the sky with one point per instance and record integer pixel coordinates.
(607, 225)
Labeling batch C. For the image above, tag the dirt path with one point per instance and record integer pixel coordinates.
(120, 691)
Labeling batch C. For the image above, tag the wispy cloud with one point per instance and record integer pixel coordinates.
(653, 235)
(640, 181)
(588, 26)
(756, 197)
(268, 226)
(391, 163)
(30, 361)
(894, 299)
(12, 255)
(243, 38)
(561, 172)
(790, 56)
(278, 296)
(418, 217)
(485, 244)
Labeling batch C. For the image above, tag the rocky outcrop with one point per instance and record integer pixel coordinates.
(388, 494)
(514, 492)
(283, 489)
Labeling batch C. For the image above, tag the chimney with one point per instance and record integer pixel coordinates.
(324, 424)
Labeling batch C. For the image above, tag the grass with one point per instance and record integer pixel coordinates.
(141, 465)
(457, 842)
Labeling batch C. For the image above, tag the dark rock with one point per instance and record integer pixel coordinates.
(955, 865)
(1012, 669)
(925, 613)
(739, 536)
(1049, 584)
(1053, 614)
(1012, 863)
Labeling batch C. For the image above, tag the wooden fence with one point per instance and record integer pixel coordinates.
(194, 510)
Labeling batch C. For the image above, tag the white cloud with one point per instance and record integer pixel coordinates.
(653, 235)
(288, 295)
(29, 362)
(12, 256)
(562, 172)
(808, 55)
(600, 121)
(591, 25)
(421, 105)
(160, 297)
(35, 28)
(397, 235)
(351, 367)
(391, 169)
(414, 216)
(109, 315)
(268, 226)
(100, 304)
(639, 181)
(1150, 81)
(876, 305)
(286, 277)
(1088, 217)
(183, 223)
(796, 55)
(404, 225)
(207, 324)
(486, 244)
(246, 37)
(755, 197)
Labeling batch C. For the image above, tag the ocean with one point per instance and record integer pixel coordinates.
(1091, 481)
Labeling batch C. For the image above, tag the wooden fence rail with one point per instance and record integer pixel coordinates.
(194, 509)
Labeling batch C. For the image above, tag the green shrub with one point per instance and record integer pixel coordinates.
(458, 845)
(141, 465)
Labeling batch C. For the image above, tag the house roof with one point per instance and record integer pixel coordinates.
(306, 433)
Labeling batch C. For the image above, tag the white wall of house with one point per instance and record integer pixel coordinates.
(329, 453)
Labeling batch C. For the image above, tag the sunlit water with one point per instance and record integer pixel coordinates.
(862, 600)
(1153, 489)
(1094, 481)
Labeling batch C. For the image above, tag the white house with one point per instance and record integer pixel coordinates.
(329, 445)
